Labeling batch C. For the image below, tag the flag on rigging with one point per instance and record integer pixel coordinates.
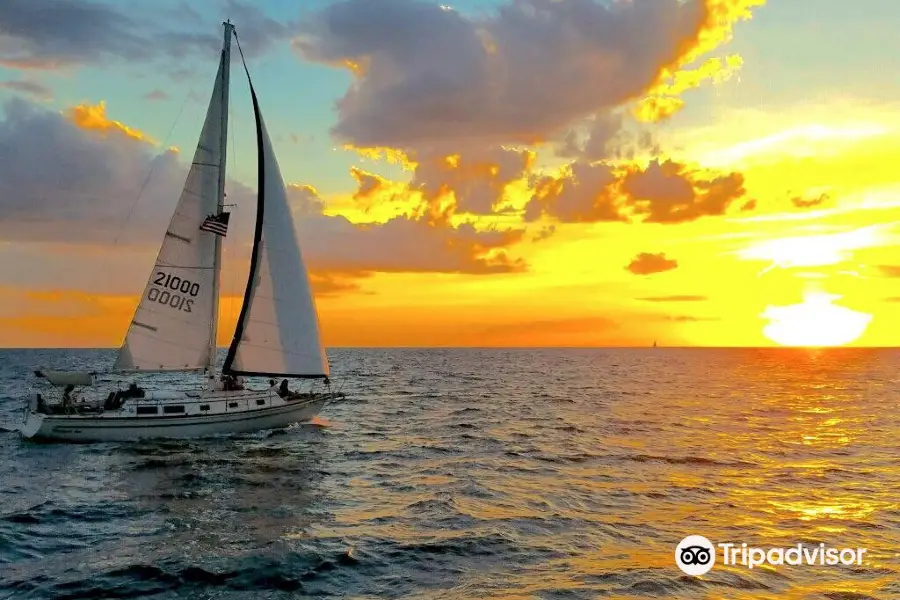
(217, 224)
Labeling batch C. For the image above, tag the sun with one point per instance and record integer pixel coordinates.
(815, 322)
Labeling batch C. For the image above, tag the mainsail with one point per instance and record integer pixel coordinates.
(171, 329)
(277, 331)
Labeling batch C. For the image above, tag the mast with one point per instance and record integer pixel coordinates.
(223, 151)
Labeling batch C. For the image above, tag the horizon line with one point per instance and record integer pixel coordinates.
(557, 347)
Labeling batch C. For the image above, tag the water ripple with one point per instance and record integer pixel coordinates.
(478, 474)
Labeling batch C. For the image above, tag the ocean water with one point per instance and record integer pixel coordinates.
(479, 474)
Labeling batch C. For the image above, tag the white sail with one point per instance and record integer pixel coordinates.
(171, 327)
(278, 328)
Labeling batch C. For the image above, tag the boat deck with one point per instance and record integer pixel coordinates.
(164, 404)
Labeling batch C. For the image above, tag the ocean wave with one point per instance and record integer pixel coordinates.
(475, 474)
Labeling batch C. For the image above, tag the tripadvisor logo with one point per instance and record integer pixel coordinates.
(696, 555)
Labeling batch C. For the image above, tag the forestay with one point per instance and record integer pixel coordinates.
(171, 326)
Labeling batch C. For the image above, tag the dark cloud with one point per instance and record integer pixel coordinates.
(544, 233)
(31, 88)
(448, 186)
(405, 245)
(477, 179)
(50, 34)
(92, 198)
(662, 192)
(670, 192)
(675, 298)
(604, 137)
(327, 284)
(602, 130)
(427, 73)
(184, 12)
(801, 202)
(369, 185)
(582, 194)
(646, 263)
(53, 33)
(95, 177)
(457, 93)
(257, 32)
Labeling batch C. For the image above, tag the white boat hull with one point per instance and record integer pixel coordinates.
(257, 410)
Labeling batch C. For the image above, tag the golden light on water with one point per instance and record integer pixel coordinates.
(815, 322)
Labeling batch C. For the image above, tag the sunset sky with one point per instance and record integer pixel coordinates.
(477, 173)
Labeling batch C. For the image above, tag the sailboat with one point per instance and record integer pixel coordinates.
(174, 325)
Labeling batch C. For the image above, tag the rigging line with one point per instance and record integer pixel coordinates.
(232, 275)
(152, 166)
(238, 42)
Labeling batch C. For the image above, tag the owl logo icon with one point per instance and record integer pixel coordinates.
(695, 555)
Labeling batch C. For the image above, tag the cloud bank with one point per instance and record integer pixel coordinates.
(56, 34)
(92, 197)
(427, 74)
(465, 103)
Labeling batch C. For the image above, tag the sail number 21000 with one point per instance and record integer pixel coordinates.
(173, 291)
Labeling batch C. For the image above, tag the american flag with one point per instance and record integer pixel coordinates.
(217, 224)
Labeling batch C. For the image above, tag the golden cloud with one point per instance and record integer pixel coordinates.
(647, 263)
(662, 100)
(93, 117)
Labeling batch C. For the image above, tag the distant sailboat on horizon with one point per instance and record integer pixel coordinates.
(174, 325)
